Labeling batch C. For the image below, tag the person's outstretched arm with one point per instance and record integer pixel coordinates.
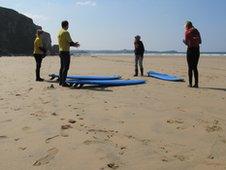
(72, 43)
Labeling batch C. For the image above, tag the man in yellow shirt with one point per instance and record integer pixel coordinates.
(65, 41)
(39, 52)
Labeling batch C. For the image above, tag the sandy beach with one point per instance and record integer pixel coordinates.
(156, 126)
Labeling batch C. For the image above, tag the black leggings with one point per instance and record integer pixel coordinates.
(65, 59)
(193, 55)
(38, 59)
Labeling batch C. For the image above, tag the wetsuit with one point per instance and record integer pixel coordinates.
(64, 40)
(139, 55)
(192, 40)
(38, 55)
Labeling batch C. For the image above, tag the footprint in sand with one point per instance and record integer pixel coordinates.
(122, 150)
(163, 149)
(89, 142)
(180, 109)
(113, 166)
(180, 157)
(214, 127)
(51, 153)
(39, 115)
(121, 121)
(66, 127)
(54, 114)
(63, 132)
(22, 148)
(72, 121)
(176, 122)
(17, 109)
(45, 102)
(211, 156)
(50, 87)
(26, 128)
(164, 159)
(145, 141)
(130, 137)
(30, 89)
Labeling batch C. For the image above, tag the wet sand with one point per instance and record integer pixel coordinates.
(159, 125)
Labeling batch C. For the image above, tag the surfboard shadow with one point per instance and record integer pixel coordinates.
(93, 88)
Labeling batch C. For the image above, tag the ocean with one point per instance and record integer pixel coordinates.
(130, 53)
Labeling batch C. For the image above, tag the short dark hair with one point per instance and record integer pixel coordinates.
(64, 24)
(189, 24)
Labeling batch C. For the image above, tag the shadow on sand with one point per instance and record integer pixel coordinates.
(51, 81)
(213, 88)
(93, 88)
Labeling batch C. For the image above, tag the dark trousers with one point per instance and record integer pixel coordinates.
(193, 55)
(38, 59)
(139, 60)
(65, 59)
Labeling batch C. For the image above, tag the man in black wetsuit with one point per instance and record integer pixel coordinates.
(139, 55)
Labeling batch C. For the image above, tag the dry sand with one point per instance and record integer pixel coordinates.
(159, 125)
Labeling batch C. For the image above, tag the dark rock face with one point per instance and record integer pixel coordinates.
(46, 40)
(17, 33)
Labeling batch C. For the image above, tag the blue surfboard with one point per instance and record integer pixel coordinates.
(79, 77)
(162, 76)
(105, 82)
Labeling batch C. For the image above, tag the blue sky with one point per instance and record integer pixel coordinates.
(112, 24)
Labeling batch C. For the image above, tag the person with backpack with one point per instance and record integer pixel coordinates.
(139, 55)
(192, 40)
(39, 53)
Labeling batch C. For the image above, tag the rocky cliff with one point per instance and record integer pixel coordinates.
(17, 33)
(47, 43)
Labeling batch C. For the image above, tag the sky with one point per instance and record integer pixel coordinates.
(112, 24)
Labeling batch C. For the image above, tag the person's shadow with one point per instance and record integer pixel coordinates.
(213, 88)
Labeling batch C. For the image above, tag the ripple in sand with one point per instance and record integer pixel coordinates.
(3, 137)
(48, 139)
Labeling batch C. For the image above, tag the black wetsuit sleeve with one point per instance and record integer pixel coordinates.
(72, 43)
(142, 47)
